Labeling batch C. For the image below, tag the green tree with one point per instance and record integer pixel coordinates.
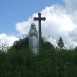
(21, 44)
(60, 43)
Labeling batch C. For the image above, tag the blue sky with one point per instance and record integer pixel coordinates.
(13, 11)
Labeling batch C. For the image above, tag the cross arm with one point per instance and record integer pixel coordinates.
(35, 18)
(43, 18)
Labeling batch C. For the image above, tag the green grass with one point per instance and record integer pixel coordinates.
(50, 62)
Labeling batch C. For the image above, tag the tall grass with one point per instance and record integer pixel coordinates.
(50, 62)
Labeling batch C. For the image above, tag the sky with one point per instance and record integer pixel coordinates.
(16, 17)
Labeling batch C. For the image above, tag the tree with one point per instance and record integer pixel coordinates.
(21, 44)
(76, 48)
(60, 43)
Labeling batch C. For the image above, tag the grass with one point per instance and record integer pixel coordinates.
(50, 62)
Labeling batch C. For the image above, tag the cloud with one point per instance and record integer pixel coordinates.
(59, 23)
(8, 40)
(22, 28)
(71, 7)
(72, 4)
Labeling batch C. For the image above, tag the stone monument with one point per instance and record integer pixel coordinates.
(33, 38)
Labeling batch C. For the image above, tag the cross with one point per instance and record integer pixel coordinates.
(39, 18)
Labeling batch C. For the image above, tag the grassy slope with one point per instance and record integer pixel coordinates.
(50, 62)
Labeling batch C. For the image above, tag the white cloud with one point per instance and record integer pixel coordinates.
(22, 28)
(59, 23)
(8, 40)
(71, 4)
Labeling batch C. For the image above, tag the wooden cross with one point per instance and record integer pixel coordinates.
(39, 18)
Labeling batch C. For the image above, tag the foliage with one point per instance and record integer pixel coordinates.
(60, 43)
(22, 62)
(21, 44)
